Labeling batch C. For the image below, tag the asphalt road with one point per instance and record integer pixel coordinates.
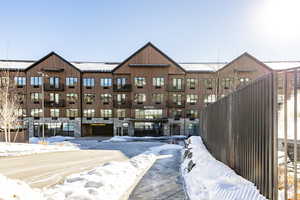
(47, 169)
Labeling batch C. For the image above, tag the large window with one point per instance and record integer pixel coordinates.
(227, 83)
(4, 81)
(89, 113)
(192, 113)
(54, 112)
(105, 82)
(121, 98)
(177, 83)
(53, 129)
(191, 83)
(89, 82)
(140, 98)
(71, 81)
(36, 96)
(72, 112)
(54, 97)
(121, 113)
(209, 83)
(72, 97)
(20, 81)
(36, 112)
(139, 82)
(244, 80)
(209, 98)
(177, 99)
(54, 82)
(192, 98)
(106, 113)
(177, 113)
(148, 113)
(157, 98)
(21, 112)
(89, 98)
(36, 81)
(106, 98)
(121, 82)
(158, 82)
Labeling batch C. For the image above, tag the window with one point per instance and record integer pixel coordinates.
(139, 82)
(89, 98)
(177, 83)
(106, 113)
(71, 81)
(89, 113)
(158, 82)
(20, 81)
(192, 98)
(209, 98)
(191, 83)
(121, 113)
(36, 112)
(35, 96)
(88, 82)
(121, 82)
(105, 98)
(54, 97)
(177, 99)
(192, 113)
(21, 97)
(72, 112)
(121, 98)
(4, 81)
(244, 80)
(177, 113)
(54, 82)
(148, 113)
(227, 83)
(36, 81)
(54, 112)
(105, 82)
(157, 98)
(140, 98)
(209, 83)
(72, 97)
(21, 112)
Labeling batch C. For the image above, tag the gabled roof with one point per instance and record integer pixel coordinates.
(251, 57)
(49, 55)
(142, 48)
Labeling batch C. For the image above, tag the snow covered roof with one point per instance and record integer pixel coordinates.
(109, 66)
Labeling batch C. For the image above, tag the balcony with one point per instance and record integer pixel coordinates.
(175, 89)
(123, 88)
(122, 104)
(61, 103)
(172, 104)
(48, 87)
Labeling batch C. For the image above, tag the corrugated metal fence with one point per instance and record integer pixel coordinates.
(240, 130)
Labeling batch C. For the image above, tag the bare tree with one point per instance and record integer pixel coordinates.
(9, 106)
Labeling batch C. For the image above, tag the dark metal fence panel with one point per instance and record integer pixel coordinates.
(239, 131)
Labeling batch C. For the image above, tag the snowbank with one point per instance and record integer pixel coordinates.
(210, 179)
(112, 181)
(53, 144)
(131, 138)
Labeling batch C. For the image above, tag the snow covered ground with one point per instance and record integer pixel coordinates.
(131, 138)
(52, 144)
(111, 181)
(210, 179)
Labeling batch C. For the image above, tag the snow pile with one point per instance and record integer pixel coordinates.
(53, 144)
(15, 189)
(210, 179)
(131, 138)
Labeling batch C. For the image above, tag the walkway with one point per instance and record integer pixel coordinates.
(163, 181)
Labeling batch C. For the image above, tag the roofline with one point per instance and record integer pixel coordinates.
(142, 48)
(47, 56)
(248, 55)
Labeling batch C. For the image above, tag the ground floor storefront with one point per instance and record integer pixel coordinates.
(80, 127)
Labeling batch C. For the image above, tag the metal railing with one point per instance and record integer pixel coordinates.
(239, 130)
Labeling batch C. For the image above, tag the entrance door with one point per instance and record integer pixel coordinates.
(103, 130)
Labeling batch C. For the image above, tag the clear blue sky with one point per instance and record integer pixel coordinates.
(110, 30)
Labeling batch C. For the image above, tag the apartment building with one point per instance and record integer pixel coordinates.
(146, 94)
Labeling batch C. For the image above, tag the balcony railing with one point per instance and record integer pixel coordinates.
(59, 87)
(122, 88)
(61, 103)
(172, 104)
(122, 104)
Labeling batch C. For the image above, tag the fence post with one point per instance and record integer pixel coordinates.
(231, 139)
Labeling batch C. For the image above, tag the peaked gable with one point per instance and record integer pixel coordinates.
(149, 55)
(48, 56)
